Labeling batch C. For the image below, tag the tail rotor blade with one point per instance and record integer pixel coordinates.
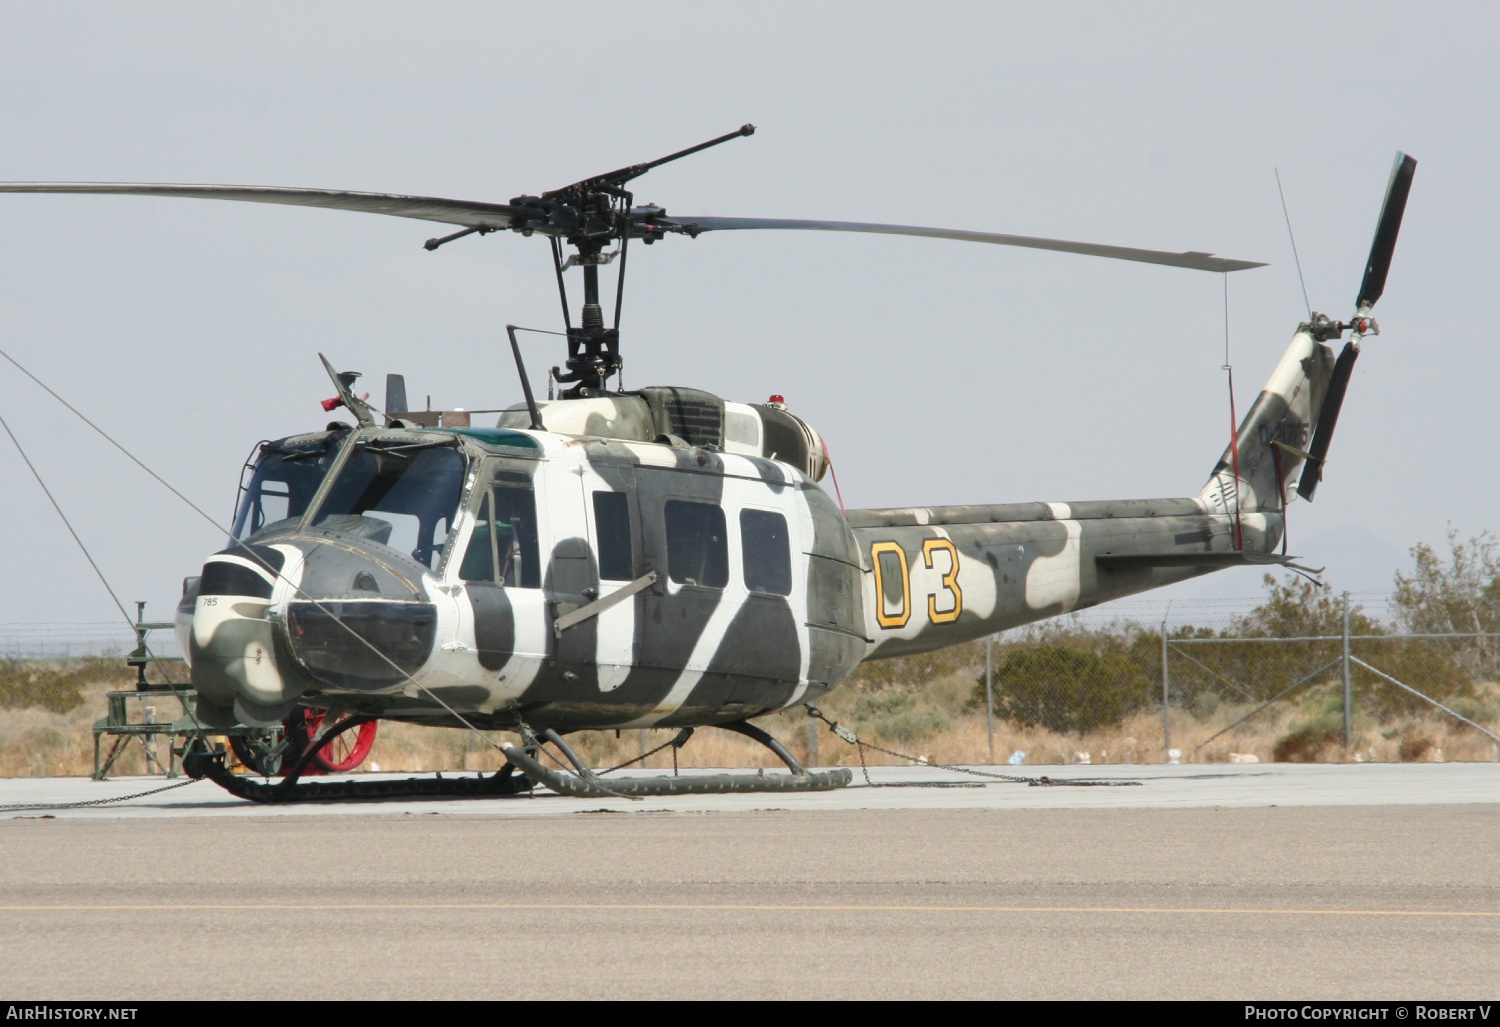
(1386, 231)
(1328, 418)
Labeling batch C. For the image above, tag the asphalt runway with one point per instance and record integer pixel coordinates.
(889, 893)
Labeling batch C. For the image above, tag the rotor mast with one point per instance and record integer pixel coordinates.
(599, 211)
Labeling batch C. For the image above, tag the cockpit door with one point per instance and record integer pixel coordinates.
(594, 555)
(612, 505)
(501, 570)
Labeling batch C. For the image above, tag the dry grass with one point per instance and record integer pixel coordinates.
(964, 740)
(36, 742)
(932, 717)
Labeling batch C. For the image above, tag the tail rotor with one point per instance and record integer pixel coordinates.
(1370, 290)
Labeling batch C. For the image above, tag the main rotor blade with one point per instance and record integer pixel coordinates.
(468, 213)
(1191, 259)
(1386, 230)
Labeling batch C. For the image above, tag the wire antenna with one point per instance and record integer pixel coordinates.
(1234, 426)
(1296, 259)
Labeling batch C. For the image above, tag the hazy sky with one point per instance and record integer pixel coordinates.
(939, 372)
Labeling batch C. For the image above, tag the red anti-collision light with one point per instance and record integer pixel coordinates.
(776, 398)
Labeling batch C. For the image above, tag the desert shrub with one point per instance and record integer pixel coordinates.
(1434, 668)
(1308, 743)
(44, 737)
(898, 716)
(25, 684)
(1458, 594)
(914, 671)
(1204, 704)
(1475, 707)
(1067, 689)
(1413, 747)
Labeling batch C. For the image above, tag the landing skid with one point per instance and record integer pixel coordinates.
(199, 764)
(583, 783)
(211, 765)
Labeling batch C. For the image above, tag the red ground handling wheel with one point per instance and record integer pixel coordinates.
(345, 752)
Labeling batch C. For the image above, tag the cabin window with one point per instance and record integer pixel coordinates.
(612, 531)
(697, 545)
(766, 552)
(503, 547)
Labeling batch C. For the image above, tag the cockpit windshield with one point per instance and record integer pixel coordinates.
(399, 493)
(285, 481)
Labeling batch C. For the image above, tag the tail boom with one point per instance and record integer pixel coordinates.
(936, 576)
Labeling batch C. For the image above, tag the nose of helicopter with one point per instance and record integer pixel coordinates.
(231, 638)
(271, 622)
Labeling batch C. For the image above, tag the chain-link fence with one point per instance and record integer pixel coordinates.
(1324, 678)
(1298, 675)
(55, 685)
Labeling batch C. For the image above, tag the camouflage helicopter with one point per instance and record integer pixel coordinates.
(661, 557)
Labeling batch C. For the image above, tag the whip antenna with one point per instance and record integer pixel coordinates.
(1296, 259)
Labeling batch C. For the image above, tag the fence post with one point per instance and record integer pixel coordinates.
(1166, 692)
(989, 693)
(1348, 686)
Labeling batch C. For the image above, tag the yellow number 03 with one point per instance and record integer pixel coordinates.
(950, 581)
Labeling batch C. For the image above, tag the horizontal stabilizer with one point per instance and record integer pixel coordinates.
(1230, 558)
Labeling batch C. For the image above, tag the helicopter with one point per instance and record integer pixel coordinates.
(662, 557)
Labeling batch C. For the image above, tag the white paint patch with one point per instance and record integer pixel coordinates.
(977, 579)
(1289, 379)
(612, 676)
(262, 679)
(1051, 580)
(1060, 511)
